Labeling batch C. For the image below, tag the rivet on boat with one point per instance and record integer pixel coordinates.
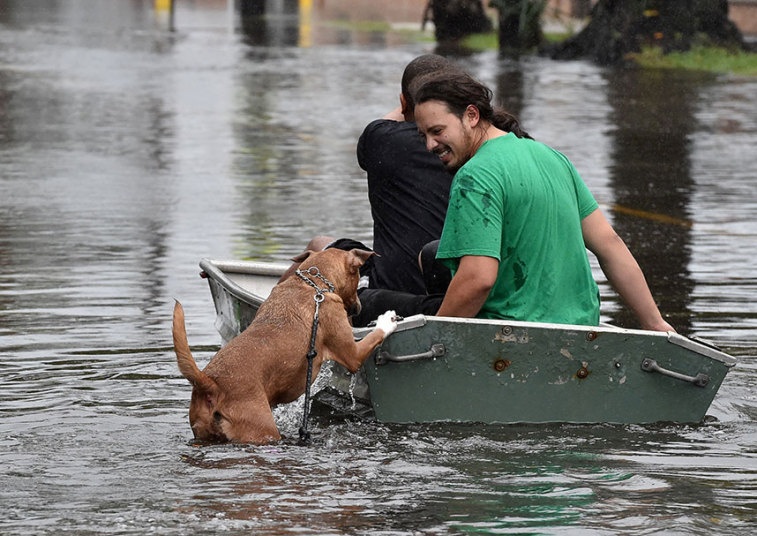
(582, 373)
(507, 330)
(501, 364)
(591, 335)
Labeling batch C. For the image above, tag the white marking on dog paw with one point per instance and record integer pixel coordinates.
(387, 322)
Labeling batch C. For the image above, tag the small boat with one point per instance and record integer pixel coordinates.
(434, 369)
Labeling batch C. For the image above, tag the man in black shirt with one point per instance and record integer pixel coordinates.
(408, 188)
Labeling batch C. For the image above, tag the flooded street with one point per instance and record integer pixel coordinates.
(129, 152)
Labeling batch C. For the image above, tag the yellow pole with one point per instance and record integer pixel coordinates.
(166, 7)
(306, 23)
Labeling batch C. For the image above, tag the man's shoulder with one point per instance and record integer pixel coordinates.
(385, 141)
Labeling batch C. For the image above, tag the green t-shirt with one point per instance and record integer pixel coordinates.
(522, 202)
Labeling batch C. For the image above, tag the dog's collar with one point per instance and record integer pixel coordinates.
(312, 273)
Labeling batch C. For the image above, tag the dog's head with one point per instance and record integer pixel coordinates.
(341, 268)
(222, 419)
(206, 421)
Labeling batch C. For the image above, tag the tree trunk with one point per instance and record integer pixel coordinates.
(619, 27)
(519, 25)
(455, 19)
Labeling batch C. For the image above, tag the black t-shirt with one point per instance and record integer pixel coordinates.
(408, 188)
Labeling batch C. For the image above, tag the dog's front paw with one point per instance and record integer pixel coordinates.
(387, 323)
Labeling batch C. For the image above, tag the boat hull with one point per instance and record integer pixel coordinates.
(469, 370)
(508, 372)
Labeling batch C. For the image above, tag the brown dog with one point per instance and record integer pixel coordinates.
(266, 365)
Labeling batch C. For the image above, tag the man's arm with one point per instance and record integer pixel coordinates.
(470, 286)
(622, 270)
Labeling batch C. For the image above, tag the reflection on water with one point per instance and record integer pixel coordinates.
(653, 122)
(128, 152)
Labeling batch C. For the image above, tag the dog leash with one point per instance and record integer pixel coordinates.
(307, 276)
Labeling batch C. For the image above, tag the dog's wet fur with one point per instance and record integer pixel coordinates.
(266, 365)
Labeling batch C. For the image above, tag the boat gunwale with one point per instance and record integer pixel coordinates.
(217, 270)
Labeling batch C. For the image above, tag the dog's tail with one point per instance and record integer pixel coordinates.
(187, 365)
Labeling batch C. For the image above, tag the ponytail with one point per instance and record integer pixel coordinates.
(508, 122)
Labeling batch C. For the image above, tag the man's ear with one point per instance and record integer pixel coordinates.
(406, 111)
(472, 115)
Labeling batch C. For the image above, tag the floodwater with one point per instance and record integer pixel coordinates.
(129, 152)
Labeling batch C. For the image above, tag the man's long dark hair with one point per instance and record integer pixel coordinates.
(458, 90)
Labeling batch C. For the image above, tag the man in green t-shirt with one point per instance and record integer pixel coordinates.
(520, 218)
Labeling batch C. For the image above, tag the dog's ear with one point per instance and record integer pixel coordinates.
(302, 256)
(360, 256)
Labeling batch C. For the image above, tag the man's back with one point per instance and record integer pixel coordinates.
(408, 188)
(522, 203)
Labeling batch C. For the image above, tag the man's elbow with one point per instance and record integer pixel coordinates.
(480, 287)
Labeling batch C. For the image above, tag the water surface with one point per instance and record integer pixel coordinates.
(128, 153)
